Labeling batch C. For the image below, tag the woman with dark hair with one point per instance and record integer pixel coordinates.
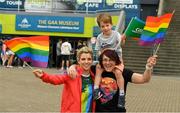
(112, 55)
(109, 91)
(108, 86)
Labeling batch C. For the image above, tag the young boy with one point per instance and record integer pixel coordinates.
(112, 40)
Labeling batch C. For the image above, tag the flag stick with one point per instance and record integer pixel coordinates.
(129, 25)
(173, 11)
(28, 65)
(157, 48)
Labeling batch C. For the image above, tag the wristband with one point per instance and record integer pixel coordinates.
(148, 67)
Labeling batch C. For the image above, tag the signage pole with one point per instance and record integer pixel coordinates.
(18, 5)
(87, 5)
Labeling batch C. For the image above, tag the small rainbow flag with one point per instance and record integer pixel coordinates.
(155, 29)
(31, 49)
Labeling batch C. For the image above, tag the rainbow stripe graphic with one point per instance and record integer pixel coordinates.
(155, 29)
(31, 49)
(86, 99)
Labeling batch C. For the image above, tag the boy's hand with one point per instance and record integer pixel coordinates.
(119, 67)
(99, 70)
(123, 39)
(117, 71)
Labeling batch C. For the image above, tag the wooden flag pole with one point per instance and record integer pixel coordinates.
(173, 11)
(128, 25)
(28, 65)
(157, 48)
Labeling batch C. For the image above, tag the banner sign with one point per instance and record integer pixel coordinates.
(12, 4)
(110, 2)
(89, 5)
(132, 8)
(38, 5)
(50, 23)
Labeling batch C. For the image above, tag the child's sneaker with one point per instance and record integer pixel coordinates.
(97, 94)
(121, 101)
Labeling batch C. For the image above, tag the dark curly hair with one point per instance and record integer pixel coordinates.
(111, 54)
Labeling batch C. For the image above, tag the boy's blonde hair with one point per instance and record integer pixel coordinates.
(105, 18)
(84, 49)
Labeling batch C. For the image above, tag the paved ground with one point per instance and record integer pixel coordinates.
(20, 91)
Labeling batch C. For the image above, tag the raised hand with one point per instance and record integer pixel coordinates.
(38, 73)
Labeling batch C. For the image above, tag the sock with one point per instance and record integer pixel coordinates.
(121, 92)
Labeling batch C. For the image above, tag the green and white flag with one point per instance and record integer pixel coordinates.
(134, 28)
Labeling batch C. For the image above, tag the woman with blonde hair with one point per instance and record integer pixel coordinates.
(77, 94)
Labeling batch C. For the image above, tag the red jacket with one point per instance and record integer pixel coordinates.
(71, 95)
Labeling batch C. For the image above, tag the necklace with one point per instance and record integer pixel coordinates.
(85, 75)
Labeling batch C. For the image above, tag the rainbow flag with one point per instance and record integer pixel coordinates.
(31, 49)
(155, 29)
